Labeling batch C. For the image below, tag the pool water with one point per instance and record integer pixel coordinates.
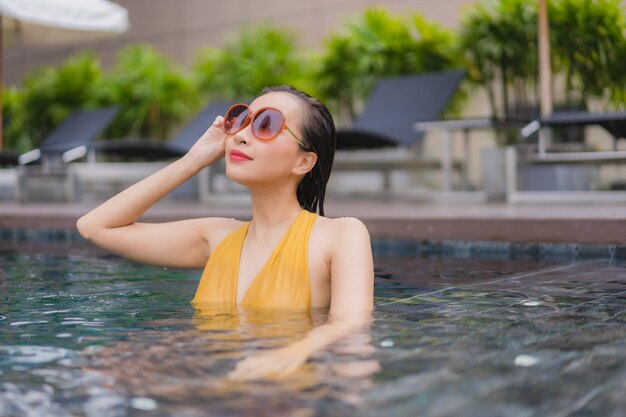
(83, 333)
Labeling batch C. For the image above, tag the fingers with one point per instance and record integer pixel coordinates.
(264, 367)
(252, 368)
(219, 121)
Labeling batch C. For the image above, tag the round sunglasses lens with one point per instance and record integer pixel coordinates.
(267, 123)
(235, 118)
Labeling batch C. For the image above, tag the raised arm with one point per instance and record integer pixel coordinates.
(113, 225)
(352, 302)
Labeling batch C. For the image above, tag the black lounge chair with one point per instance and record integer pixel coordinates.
(149, 150)
(52, 179)
(395, 105)
(612, 122)
(384, 138)
(9, 158)
(69, 139)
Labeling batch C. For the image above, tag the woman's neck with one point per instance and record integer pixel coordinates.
(272, 210)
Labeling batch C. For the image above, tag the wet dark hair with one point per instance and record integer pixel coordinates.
(318, 134)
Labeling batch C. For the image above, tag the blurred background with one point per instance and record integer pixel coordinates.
(228, 49)
(179, 28)
(178, 55)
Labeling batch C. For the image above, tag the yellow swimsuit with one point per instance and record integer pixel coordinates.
(283, 281)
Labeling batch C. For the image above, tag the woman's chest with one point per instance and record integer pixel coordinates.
(300, 269)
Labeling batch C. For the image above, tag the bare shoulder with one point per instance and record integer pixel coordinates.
(343, 229)
(342, 223)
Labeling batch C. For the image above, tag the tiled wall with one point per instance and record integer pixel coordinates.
(548, 252)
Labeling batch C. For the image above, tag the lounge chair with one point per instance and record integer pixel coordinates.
(106, 178)
(52, 180)
(153, 151)
(395, 105)
(614, 123)
(75, 132)
(388, 120)
(9, 158)
(562, 172)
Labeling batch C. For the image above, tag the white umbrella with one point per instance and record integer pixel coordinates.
(85, 15)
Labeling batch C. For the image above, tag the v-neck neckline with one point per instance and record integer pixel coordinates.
(258, 274)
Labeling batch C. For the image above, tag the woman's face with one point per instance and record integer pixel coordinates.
(266, 161)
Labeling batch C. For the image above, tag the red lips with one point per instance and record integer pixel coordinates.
(238, 156)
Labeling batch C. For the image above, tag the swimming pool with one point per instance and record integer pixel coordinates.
(460, 328)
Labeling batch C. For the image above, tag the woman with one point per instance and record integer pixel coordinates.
(281, 148)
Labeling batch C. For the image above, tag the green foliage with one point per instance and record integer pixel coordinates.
(376, 45)
(50, 94)
(336, 81)
(588, 46)
(14, 135)
(499, 46)
(154, 96)
(256, 58)
(496, 43)
(617, 77)
(434, 47)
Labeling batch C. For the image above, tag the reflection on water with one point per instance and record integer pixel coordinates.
(83, 334)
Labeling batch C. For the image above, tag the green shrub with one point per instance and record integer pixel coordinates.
(153, 95)
(588, 46)
(376, 45)
(499, 47)
(255, 58)
(14, 136)
(50, 94)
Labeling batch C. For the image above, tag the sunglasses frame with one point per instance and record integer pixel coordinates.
(251, 117)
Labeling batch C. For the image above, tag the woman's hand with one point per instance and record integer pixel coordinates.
(210, 147)
(275, 363)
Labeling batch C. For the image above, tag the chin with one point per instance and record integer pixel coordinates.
(250, 177)
(245, 177)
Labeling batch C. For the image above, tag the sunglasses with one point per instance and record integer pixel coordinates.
(267, 123)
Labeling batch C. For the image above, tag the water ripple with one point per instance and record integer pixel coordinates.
(35, 354)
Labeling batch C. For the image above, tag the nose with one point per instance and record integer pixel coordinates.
(240, 139)
(243, 136)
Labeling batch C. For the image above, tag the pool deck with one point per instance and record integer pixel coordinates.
(591, 223)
